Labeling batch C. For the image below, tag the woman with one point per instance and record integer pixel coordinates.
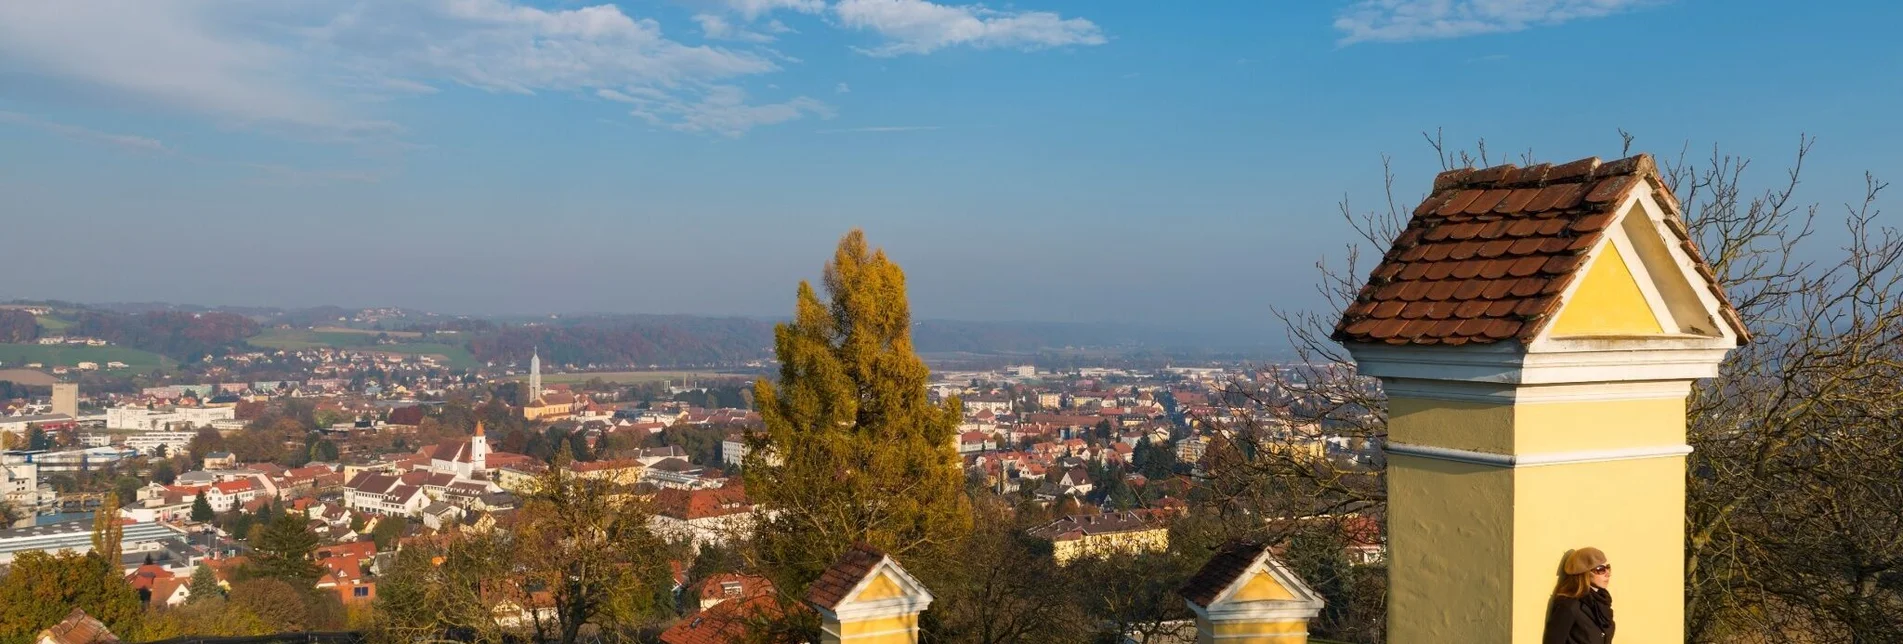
(1582, 607)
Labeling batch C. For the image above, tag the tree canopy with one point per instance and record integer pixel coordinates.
(853, 451)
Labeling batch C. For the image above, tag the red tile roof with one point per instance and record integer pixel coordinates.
(728, 622)
(832, 586)
(78, 628)
(702, 504)
(1485, 258)
(1230, 562)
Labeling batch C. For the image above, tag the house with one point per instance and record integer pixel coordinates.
(1082, 535)
(220, 461)
(709, 516)
(384, 494)
(729, 586)
(619, 472)
(159, 587)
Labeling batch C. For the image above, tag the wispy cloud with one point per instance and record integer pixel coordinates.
(283, 175)
(722, 110)
(921, 27)
(127, 141)
(719, 28)
(1408, 20)
(751, 9)
(842, 88)
(883, 128)
(317, 68)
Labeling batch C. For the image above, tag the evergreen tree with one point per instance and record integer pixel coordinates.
(283, 551)
(204, 585)
(201, 509)
(853, 451)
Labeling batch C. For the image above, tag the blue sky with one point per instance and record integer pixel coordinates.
(1169, 163)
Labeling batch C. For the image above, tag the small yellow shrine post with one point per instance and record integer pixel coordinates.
(1537, 331)
(866, 598)
(1243, 595)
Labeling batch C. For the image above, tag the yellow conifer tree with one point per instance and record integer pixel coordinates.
(853, 451)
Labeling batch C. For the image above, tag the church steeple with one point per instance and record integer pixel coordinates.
(535, 376)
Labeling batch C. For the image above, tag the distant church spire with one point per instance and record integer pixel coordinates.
(535, 375)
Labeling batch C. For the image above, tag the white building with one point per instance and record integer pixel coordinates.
(149, 442)
(151, 420)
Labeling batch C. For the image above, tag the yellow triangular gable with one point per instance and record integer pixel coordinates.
(880, 587)
(1260, 587)
(1608, 302)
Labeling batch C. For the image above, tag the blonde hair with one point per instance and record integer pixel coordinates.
(1574, 586)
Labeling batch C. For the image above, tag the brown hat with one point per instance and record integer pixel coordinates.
(1584, 559)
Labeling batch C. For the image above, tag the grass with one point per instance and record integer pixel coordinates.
(454, 357)
(627, 377)
(52, 355)
(52, 324)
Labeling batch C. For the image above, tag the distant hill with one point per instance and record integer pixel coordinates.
(186, 332)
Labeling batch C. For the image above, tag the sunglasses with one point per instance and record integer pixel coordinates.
(1602, 569)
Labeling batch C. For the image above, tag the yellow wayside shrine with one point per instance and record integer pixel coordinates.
(866, 598)
(1537, 331)
(1245, 596)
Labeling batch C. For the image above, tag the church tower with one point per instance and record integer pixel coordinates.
(478, 452)
(535, 377)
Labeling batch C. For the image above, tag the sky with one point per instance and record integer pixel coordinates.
(1159, 163)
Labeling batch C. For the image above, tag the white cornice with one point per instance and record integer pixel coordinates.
(1573, 361)
(1536, 460)
(1488, 392)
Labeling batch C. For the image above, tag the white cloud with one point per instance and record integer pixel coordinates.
(308, 66)
(884, 128)
(842, 88)
(721, 110)
(921, 27)
(751, 9)
(718, 28)
(128, 141)
(1406, 20)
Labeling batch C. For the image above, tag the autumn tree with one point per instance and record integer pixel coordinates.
(853, 451)
(589, 547)
(40, 589)
(436, 588)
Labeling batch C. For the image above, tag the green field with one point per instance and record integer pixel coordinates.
(17, 355)
(455, 357)
(632, 377)
(52, 324)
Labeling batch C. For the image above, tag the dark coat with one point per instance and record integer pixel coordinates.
(1578, 621)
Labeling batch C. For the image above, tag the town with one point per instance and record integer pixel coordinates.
(375, 453)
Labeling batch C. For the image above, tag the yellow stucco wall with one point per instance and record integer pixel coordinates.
(900, 629)
(1634, 510)
(1607, 302)
(1261, 587)
(1117, 542)
(1292, 632)
(1489, 539)
(1547, 427)
(881, 587)
(1598, 425)
(1450, 544)
(1475, 426)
